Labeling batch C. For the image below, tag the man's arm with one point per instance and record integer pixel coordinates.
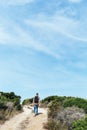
(33, 101)
(39, 102)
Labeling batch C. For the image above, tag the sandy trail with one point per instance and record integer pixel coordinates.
(26, 120)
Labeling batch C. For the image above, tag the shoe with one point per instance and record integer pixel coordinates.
(36, 114)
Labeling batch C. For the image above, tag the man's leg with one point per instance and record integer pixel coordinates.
(36, 109)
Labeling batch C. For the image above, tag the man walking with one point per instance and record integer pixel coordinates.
(36, 102)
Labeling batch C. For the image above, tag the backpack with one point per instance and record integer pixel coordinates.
(36, 99)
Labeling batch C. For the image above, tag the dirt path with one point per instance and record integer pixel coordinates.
(26, 120)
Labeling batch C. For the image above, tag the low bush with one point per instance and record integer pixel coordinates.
(80, 124)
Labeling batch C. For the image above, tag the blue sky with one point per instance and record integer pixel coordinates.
(43, 47)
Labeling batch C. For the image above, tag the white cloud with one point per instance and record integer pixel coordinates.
(75, 1)
(59, 24)
(20, 37)
(46, 35)
(15, 2)
(4, 36)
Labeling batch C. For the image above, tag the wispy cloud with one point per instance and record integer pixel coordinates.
(5, 37)
(75, 1)
(59, 24)
(15, 2)
(47, 34)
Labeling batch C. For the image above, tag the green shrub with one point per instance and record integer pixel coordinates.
(80, 124)
(9, 102)
(78, 102)
(27, 101)
(52, 125)
(52, 98)
(54, 107)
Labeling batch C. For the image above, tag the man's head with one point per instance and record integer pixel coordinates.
(37, 94)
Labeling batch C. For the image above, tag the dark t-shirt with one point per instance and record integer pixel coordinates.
(36, 99)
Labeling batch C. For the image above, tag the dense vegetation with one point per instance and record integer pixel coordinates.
(66, 113)
(9, 105)
(80, 124)
(67, 101)
(27, 101)
(78, 102)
